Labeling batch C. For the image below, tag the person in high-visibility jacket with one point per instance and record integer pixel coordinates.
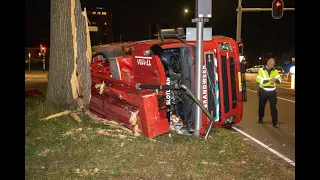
(267, 79)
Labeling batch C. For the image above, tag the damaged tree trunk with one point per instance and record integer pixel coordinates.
(69, 80)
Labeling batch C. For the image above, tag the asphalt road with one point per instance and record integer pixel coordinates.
(35, 80)
(281, 140)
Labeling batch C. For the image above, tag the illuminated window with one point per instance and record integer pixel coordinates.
(105, 23)
(104, 13)
(93, 12)
(98, 13)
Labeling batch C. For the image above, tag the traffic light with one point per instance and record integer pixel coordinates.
(277, 9)
(42, 49)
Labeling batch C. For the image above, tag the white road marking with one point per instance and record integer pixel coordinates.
(32, 78)
(286, 82)
(277, 97)
(286, 88)
(265, 146)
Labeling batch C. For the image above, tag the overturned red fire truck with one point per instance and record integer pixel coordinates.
(148, 86)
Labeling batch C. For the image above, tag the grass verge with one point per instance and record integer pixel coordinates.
(62, 148)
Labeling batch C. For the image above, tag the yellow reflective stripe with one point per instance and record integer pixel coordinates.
(261, 79)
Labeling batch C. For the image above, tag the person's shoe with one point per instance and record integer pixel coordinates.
(276, 126)
(260, 120)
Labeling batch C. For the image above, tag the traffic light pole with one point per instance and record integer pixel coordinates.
(44, 63)
(203, 13)
(29, 60)
(262, 9)
(239, 21)
(239, 16)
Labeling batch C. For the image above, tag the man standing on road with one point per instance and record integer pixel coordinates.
(267, 79)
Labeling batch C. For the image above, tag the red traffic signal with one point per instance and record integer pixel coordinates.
(277, 9)
(42, 49)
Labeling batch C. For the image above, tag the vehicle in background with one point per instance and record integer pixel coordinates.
(254, 69)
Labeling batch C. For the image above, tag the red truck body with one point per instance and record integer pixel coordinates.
(118, 69)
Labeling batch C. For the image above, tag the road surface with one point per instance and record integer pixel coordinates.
(281, 140)
(35, 80)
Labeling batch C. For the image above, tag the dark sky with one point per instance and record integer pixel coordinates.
(260, 32)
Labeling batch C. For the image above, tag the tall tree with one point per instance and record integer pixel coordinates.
(69, 82)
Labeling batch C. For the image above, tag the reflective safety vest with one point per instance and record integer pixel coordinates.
(263, 79)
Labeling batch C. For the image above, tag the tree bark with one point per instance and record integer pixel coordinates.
(69, 83)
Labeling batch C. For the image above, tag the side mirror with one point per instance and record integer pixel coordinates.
(240, 47)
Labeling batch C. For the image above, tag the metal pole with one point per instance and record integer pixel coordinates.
(262, 9)
(239, 21)
(29, 55)
(199, 43)
(240, 10)
(44, 63)
(121, 36)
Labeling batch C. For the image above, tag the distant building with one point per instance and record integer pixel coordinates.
(154, 29)
(102, 18)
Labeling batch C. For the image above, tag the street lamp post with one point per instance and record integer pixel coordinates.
(29, 55)
(259, 60)
(202, 15)
(121, 36)
(187, 11)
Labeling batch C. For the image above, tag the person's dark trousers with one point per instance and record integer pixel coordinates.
(272, 97)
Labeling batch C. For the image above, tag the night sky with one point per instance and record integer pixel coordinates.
(260, 32)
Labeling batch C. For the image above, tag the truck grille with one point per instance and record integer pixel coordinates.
(233, 82)
(115, 69)
(225, 84)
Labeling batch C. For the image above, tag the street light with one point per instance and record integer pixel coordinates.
(29, 55)
(187, 11)
(259, 60)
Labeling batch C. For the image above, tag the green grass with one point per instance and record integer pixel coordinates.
(62, 148)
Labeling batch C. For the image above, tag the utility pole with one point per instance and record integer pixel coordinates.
(121, 36)
(203, 13)
(29, 55)
(239, 21)
(240, 10)
(43, 54)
